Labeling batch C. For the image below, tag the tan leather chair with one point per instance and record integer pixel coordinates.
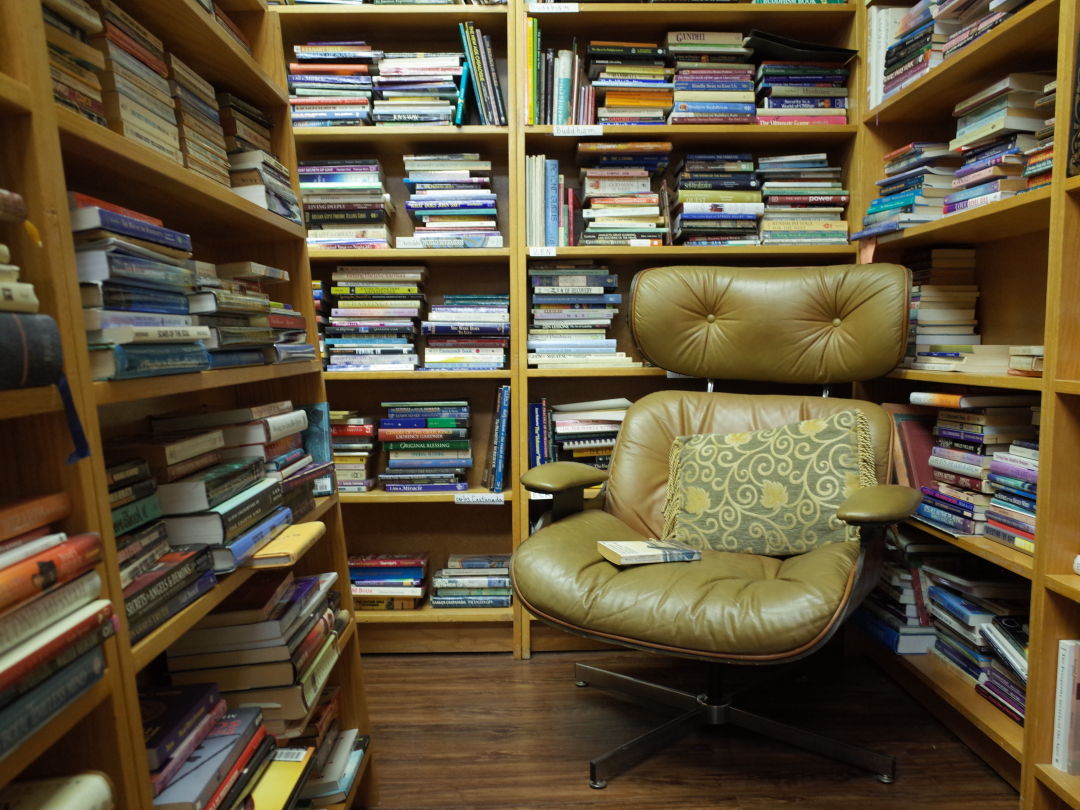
(816, 325)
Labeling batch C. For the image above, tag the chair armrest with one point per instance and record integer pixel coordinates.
(882, 504)
(560, 476)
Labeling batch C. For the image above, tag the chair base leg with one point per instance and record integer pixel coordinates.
(703, 710)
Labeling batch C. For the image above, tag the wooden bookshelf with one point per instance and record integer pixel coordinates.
(959, 378)
(15, 97)
(1065, 786)
(1010, 559)
(379, 496)
(427, 613)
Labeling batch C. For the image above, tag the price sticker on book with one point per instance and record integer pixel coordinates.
(577, 130)
(640, 243)
(479, 499)
(553, 8)
(542, 252)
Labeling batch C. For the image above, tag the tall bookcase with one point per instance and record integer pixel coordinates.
(44, 152)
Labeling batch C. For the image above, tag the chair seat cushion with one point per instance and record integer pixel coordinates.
(726, 605)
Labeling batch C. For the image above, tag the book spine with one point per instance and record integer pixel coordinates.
(140, 626)
(250, 541)
(470, 601)
(960, 524)
(42, 571)
(135, 514)
(31, 355)
(137, 601)
(19, 625)
(53, 646)
(1065, 706)
(161, 778)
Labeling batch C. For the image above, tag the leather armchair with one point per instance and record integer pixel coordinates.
(817, 325)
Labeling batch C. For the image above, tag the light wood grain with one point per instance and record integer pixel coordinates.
(15, 98)
(427, 614)
(1066, 786)
(108, 392)
(961, 378)
(1010, 559)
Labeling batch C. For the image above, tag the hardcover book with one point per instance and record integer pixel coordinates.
(638, 552)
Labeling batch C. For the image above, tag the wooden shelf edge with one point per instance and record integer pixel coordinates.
(376, 133)
(1066, 386)
(541, 373)
(1067, 585)
(322, 506)
(429, 615)
(960, 378)
(339, 13)
(396, 254)
(378, 496)
(14, 96)
(720, 9)
(164, 635)
(343, 376)
(675, 251)
(755, 130)
(1010, 559)
(1066, 786)
(29, 401)
(109, 392)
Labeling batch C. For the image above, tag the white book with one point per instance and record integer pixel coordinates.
(639, 552)
(1065, 755)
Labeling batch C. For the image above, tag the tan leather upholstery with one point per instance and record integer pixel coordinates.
(780, 324)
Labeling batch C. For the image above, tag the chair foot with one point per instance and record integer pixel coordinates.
(598, 784)
(885, 778)
(621, 759)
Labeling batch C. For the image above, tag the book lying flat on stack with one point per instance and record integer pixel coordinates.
(636, 218)
(587, 432)
(330, 83)
(714, 80)
(716, 200)
(918, 176)
(802, 194)
(388, 581)
(352, 443)
(418, 89)
(259, 177)
(373, 318)
(346, 204)
(451, 201)
(471, 588)
(459, 332)
(942, 322)
(427, 446)
(198, 119)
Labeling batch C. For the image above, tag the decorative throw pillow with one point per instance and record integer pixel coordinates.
(772, 491)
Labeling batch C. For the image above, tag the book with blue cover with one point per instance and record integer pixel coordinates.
(91, 218)
(127, 362)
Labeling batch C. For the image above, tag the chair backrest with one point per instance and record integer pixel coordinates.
(833, 324)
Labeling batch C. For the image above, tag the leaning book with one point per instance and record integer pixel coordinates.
(638, 552)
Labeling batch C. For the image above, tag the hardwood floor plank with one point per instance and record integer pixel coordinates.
(485, 731)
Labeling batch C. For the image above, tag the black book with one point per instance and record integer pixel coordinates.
(29, 350)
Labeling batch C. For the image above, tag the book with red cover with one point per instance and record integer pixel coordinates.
(25, 515)
(405, 560)
(913, 441)
(42, 572)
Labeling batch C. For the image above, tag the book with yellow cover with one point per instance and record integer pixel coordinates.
(281, 782)
(289, 546)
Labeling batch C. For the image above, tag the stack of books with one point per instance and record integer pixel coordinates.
(467, 333)
(246, 127)
(943, 327)
(1026, 361)
(630, 87)
(372, 319)
(804, 201)
(427, 446)
(417, 89)
(332, 782)
(53, 625)
(918, 176)
(381, 337)
(562, 328)
(352, 441)
(259, 177)
(976, 18)
(74, 64)
(1039, 165)
(1004, 683)
(345, 204)
(636, 218)
(202, 141)
(894, 614)
(1014, 479)
(482, 75)
(918, 47)
(458, 587)
(451, 201)
(330, 83)
(802, 93)
(714, 84)
(716, 200)
(388, 581)
(588, 431)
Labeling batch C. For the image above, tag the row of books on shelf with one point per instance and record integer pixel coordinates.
(402, 581)
(425, 446)
(111, 69)
(637, 193)
(1004, 146)
(354, 84)
(575, 431)
(970, 614)
(692, 77)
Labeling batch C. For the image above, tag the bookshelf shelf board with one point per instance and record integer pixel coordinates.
(958, 692)
(960, 378)
(14, 96)
(596, 372)
(313, 21)
(1027, 40)
(1067, 585)
(1066, 786)
(1072, 184)
(679, 251)
(47, 735)
(201, 41)
(379, 496)
(1016, 216)
(29, 401)
(811, 19)
(426, 614)
(762, 136)
(373, 134)
(404, 254)
(192, 202)
(111, 392)
(501, 374)
(1010, 559)
(161, 637)
(346, 636)
(322, 506)
(1067, 386)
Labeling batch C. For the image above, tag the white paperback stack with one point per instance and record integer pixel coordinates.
(452, 202)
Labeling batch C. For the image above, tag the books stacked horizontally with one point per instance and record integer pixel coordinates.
(259, 177)
(198, 120)
(714, 84)
(482, 74)
(272, 645)
(636, 218)
(451, 201)
(717, 200)
(942, 325)
(802, 93)
(137, 97)
(381, 335)
(417, 88)
(345, 204)
(561, 328)
(1026, 361)
(917, 177)
(246, 127)
(74, 64)
(804, 201)
(330, 83)
(976, 18)
(459, 587)
(467, 332)
(586, 432)
(388, 581)
(427, 446)
(968, 431)
(1039, 165)
(373, 317)
(628, 87)
(352, 441)
(918, 47)
(54, 624)
(1014, 479)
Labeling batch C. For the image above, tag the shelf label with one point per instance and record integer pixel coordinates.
(553, 8)
(479, 499)
(577, 130)
(542, 252)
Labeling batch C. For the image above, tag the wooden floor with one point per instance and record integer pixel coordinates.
(485, 731)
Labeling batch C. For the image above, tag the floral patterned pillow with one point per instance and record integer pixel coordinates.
(772, 491)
